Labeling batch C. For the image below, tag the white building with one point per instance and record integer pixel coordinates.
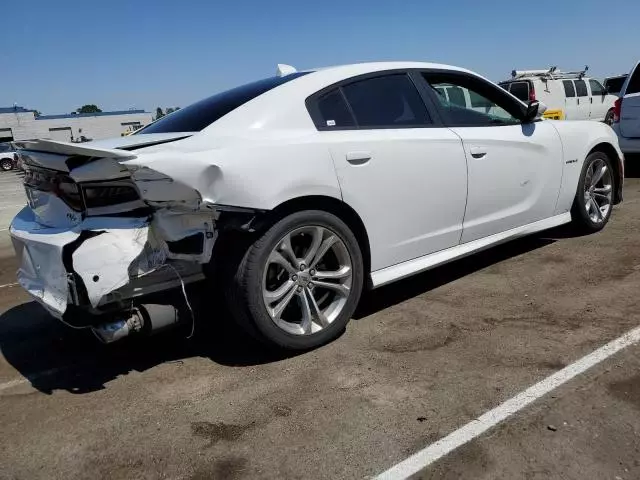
(18, 123)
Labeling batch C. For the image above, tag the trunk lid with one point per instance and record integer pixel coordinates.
(65, 182)
(53, 154)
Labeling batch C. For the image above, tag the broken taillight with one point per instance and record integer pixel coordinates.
(92, 198)
(69, 192)
(54, 182)
(104, 196)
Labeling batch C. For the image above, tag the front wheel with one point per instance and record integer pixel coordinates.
(594, 198)
(297, 285)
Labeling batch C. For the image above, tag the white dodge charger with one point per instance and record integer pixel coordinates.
(296, 192)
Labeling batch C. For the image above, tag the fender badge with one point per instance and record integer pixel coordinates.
(575, 160)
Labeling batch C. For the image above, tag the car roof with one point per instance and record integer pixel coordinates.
(283, 106)
(325, 76)
(370, 67)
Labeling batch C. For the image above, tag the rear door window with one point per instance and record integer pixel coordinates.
(520, 90)
(569, 89)
(581, 88)
(390, 101)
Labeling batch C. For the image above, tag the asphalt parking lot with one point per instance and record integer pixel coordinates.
(422, 358)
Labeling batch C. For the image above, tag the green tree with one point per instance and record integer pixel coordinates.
(91, 108)
(159, 113)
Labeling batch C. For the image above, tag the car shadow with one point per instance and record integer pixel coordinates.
(375, 300)
(632, 165)
(52, 356)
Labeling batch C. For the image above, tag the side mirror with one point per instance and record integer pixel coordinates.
(533, 111)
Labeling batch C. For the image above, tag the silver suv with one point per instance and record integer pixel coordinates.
(627, 113)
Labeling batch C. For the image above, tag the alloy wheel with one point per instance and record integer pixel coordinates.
(307, 280)
(598, 191)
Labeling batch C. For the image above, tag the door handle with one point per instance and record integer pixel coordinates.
(477, 152)
(358, 158)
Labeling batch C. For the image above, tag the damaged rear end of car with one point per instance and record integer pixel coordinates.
(102, 232)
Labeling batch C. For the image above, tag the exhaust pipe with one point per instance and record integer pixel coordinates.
(145, 319)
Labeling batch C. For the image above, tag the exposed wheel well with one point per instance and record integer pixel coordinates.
(336, 207)
(613, 156)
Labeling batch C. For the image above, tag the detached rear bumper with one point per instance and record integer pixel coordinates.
(40, 252)
(96, 265)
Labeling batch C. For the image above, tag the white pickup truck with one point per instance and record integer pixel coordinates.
(8, 157)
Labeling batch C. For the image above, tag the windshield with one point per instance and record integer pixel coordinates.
(200, 115)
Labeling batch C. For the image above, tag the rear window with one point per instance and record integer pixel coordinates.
(520, 90)
(634, 82)
(200, 115)
(569, 89)
(581, 88)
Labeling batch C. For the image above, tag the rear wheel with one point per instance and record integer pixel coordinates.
(297, 286)
(594, 199)
(6, 164)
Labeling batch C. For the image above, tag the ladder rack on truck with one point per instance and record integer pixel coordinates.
(551, 74)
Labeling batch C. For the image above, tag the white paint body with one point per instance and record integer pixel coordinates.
(421, 193)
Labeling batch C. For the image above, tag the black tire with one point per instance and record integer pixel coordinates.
(6, 164)
(608, 119)
(579, 216)
(244, 285)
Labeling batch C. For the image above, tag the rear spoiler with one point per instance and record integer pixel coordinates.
(71, 149)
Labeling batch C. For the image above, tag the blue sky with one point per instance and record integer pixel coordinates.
(118, 54)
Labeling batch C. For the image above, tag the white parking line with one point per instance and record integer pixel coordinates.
(29, 378)
(9, 285)
(490, 419)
